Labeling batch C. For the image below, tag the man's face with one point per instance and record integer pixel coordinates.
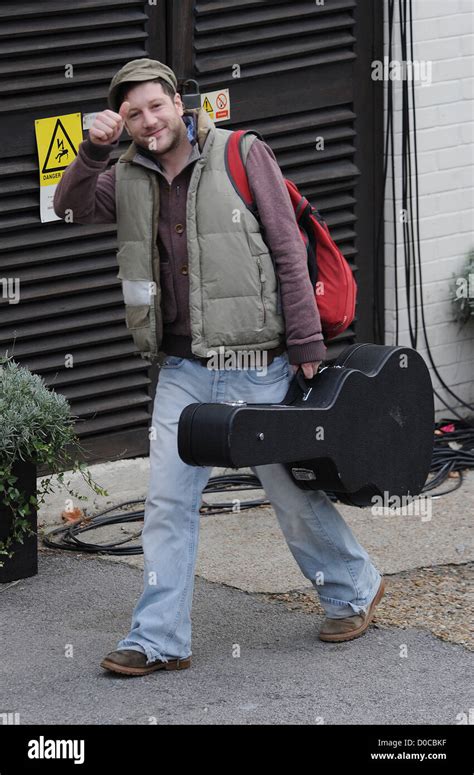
(154, 119)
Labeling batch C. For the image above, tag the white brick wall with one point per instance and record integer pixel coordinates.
(443, 34)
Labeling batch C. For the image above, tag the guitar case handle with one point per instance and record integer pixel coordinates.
(301, 380)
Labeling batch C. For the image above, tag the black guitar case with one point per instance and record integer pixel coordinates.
(362, 427)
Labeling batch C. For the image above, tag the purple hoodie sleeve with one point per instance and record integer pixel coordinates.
(87, 187)
(304, 338)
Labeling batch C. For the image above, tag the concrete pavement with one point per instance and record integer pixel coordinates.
(256, 656)
(57, 626)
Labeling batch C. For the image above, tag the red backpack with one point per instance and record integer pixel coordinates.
(331, 276)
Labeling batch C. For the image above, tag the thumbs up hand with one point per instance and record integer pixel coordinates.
(108, 126)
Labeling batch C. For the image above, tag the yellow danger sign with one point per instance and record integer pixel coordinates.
(57, 140)
(207, 106)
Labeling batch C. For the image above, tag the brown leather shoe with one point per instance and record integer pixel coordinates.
(132, 662)
(338, 630)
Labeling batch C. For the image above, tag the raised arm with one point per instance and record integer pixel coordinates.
(86, 190)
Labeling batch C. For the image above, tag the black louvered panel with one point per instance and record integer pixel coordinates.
(102, 387)
(73, 249)
(55, 307)
(126, 400)
(326, 176)
(266, 38)
(102, 426)
(35, 47)
(54, 361)
(304, 72)
(28, 333)
(70, 342)
(103, 371)
(70, 298)
(99, 414)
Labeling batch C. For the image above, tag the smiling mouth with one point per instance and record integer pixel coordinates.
(157, 132)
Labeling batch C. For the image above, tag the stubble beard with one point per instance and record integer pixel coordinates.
(177, 135)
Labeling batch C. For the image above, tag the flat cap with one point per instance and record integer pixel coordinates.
(139, 70)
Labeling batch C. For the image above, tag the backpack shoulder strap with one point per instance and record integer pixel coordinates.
(235, 164)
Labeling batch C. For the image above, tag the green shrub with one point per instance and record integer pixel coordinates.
(36, 426)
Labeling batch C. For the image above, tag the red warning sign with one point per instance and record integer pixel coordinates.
(221, 101)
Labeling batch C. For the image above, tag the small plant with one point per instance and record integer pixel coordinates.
(463, 300)
(36, 426)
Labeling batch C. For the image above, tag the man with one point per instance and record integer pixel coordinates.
(197, 278)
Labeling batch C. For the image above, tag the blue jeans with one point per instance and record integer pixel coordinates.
(324, 547)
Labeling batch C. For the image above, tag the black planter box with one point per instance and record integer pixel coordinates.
(24, 562)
